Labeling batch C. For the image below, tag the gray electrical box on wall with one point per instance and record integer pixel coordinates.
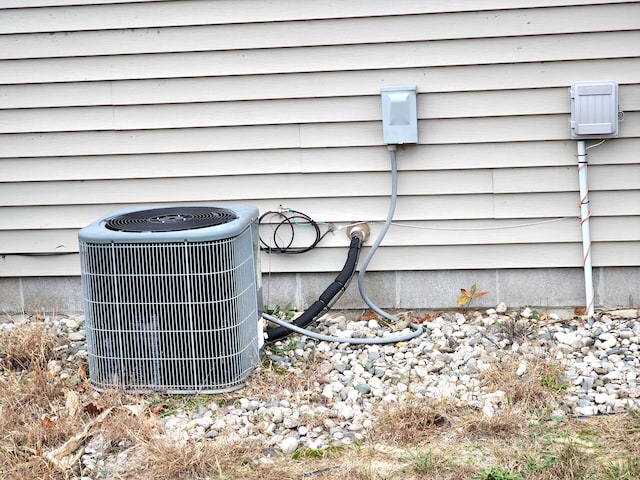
(594, 110)
(399, 114)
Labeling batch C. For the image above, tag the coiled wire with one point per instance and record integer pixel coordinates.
(291, 218)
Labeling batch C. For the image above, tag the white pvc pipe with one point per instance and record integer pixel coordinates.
(585, 214)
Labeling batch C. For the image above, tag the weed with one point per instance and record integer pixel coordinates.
(624, 470)
(281, 349)
(497, 473)
(634, 420)
(551, 378)
(330, 451)
(285, 313)
(466, 296)
(430, 463)
(570, 462)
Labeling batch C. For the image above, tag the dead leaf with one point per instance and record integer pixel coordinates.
(403, 322)
(425, 318)
(370, 315)
(72, 404)
(47, 422)
(93, 409)
(138, 409)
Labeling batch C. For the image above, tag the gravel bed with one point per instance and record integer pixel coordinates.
(339, 403)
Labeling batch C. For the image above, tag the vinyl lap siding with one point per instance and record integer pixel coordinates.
(111, 104)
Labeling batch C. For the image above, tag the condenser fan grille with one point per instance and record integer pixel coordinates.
(170, 219)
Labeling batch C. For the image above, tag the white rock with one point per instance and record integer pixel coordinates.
(289, 445)
(501, 307)
(78, 336)
(327, 391)
(71, 324)
(347, 412)
(600, 398)
(587, 411)
(612, 375)
(373, 324)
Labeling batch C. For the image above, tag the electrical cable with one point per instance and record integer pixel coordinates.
(326, 299)
(595, 145)
(481, 229)
(378, 240)
(417, 330)
(294, 218)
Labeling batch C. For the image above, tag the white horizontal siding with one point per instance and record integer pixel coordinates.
(253, 187)
(318, 135)
(482, 51)
(283, 161)
(474, 78)
(344, 210)
(361, 184)
(193, 12)
(124, 103)
(345, 31)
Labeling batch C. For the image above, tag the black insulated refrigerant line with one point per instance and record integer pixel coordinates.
(331, 293)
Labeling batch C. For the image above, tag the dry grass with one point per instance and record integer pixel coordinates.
(163, 460)
(27, 347)
(505, 425)
(534, 389)
(413, 422)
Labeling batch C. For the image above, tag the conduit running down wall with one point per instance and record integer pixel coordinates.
(585, 215)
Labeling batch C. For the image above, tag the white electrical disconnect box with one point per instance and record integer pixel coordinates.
(594, 110)
(399, 114)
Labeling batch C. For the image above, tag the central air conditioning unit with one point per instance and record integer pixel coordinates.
(172, 298)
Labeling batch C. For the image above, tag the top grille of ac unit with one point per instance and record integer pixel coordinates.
(172, 298)
(170, 219)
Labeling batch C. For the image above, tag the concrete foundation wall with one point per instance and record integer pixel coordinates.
(545, 288)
